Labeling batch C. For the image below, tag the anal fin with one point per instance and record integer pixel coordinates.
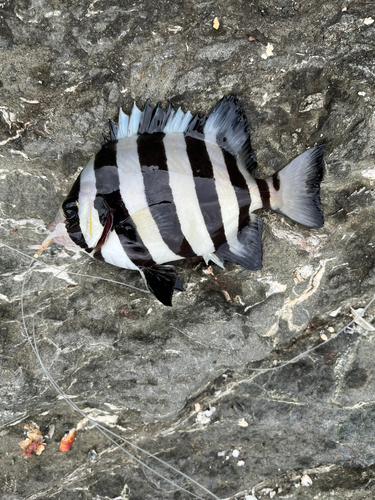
(250, 240)
(214, 258)
(162, 281)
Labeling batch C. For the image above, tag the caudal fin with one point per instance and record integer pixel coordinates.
(294, 191)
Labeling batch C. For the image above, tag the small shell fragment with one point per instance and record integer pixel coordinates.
(242, 422)
(306, 480)
(67, 440)
(92, 455)
(204, 417)
(51, 431)
(335, 312)
(267, 491)
(216, 24)
(269, 51)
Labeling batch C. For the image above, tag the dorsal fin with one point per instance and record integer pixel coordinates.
(227, 126)
(128, 125)
(113, 130)
(178, 122)
(153, 119)
(195, 127)
(134, 121)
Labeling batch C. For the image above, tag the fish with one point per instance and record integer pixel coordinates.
(167, 185)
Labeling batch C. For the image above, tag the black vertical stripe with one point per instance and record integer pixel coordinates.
(276, 181)
(205, 188)
(264, 192)
(108, 189)
(240, 187)
(151, 150)
(154, 165)
(72, 222)
(98, 255)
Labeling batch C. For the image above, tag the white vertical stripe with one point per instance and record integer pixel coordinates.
(133, 194)
(185, 197)
(255, 203)
(276, 198)
(88, 215)
(256, 200)
(226, 194)
(113, 253)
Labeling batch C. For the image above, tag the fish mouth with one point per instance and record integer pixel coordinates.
(60, 218)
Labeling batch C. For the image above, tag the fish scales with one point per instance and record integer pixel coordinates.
(168, 186)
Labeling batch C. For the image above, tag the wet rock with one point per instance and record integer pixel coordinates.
(178, 381)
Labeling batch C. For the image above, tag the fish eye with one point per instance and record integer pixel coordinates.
(70, 210)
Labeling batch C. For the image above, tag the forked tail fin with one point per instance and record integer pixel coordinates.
(294, 191)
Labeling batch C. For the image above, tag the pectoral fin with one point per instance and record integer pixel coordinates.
(162, 281)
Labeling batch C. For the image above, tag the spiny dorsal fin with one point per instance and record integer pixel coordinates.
(195, 127)
(113, 130)
(152, 120)
(227, 126)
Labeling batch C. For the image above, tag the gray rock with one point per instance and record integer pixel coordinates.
(180, 383)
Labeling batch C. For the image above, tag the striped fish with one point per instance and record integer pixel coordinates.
(167, 185)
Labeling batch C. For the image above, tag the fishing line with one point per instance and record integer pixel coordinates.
(293, 360)
(103, 430)
(38, 261)
(110, 435)
(296, 358)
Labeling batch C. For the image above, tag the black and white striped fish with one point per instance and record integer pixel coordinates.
(169, 186)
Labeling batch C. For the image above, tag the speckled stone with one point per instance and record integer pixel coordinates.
(179, 382)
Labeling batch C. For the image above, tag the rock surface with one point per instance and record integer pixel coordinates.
(180, 382)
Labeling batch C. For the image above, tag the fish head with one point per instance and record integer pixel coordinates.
(84, 220)
(87, 215)
(77, 224)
